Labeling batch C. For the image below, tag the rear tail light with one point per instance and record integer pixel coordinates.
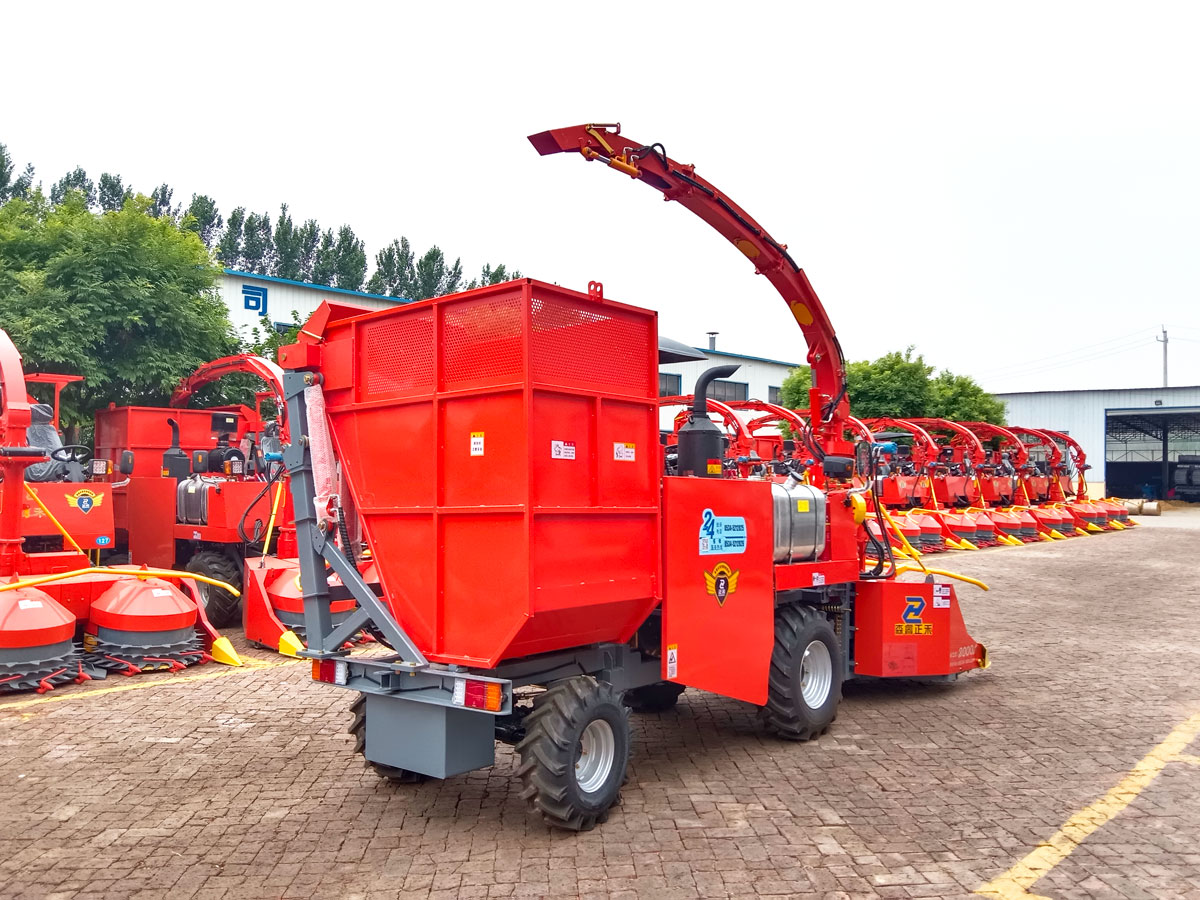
(331, 671)
(488, 695)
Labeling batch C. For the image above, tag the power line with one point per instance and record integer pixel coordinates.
(1126, 340)
(1037, 370)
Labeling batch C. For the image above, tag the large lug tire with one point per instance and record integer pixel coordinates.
(806, 675)
(575, 753)
(358, 728)
(220, 605)
(654, 698)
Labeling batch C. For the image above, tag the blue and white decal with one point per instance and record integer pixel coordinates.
(721, 534)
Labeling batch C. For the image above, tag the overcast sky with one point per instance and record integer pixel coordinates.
(1014, 189)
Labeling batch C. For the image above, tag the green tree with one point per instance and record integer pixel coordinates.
(793, 393)
(258, 248)
(125, 299)
(160, 202)
(308, 237)
(394, 270)
(229, 250)
(896, 384)
(325, 260)
(204, 218)
(112, 193)
(74, 181)
(288, 249)
(433, 278)
(960, 399)
(12, 185)
(350, 267)
(493, 276)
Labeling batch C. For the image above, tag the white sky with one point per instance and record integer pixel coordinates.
(1013, 189)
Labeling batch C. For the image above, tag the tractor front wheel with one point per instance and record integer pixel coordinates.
(575, 753)
(220, 605)
(806, 675)
(358, 728)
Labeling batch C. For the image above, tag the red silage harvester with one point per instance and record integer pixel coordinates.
(128, 619)
(200, 489)
(536, 541)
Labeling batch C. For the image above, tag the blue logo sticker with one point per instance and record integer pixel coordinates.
(103, 541)
(721, 534)
(255, 298)
(912, 613)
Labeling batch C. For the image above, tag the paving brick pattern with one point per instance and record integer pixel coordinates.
(244, 785)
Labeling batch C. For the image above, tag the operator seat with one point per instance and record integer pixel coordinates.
(40, 433)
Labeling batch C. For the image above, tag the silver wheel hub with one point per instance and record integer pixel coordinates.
(597, 751)
(816, 674)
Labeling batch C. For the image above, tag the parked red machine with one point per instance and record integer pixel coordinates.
(533, 539)
(130, 619)
(200, 488)
(1074, 486)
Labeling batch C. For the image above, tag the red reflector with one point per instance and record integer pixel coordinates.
(483, 695)
(331, 671)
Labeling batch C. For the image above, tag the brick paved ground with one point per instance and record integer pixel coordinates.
(244, 784)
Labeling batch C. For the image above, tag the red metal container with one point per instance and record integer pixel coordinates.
(502, 448)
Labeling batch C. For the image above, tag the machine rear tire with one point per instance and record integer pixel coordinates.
(654, 698)
(220, 605)
(358, 728)
(575, 753)
(805, 683)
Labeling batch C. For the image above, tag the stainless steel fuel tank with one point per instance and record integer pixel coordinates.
(799, 522)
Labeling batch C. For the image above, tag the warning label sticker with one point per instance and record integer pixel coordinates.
(625, 451)
(672, 660)
(29, 604)
(477, 443)
(562, 449)
(941, 596)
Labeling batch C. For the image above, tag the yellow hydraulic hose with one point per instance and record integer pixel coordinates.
(979, 584)
(913, 552)
(49, 515)
(131, 573)
(271, 521)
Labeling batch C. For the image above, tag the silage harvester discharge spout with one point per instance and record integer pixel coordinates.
(649, 164)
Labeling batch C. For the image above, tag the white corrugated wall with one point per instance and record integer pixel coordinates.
(1082, 415)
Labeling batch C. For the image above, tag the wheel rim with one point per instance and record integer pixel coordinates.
(205, 591)
(816, 674)
(597, 750)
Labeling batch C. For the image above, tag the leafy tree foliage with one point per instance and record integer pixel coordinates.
(493, 276)
(229, 250)
(12, 185)
(394, 270)
(125, 299)
(959, 398)
(111, 192)
(203, 217)
(901, 385)
(287, 247)
(350, 266)
(257, 245)
(74, 181)
(325, 260)
(160, 202)
(308, 236)
(433, 278)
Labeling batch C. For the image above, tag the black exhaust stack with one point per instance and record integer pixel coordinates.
(175, 463)
(701, 442)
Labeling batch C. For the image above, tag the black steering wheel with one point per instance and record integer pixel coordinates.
(78, 453)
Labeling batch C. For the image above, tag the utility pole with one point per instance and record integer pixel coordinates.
(1163, 340)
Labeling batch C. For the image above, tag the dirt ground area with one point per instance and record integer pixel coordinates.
(1069, 769)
